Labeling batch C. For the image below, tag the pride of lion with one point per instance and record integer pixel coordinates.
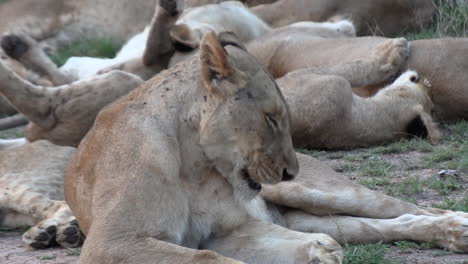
(181, 148)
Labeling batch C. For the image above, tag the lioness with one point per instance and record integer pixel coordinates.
(441, 61)
(172, 171)
(381, 17)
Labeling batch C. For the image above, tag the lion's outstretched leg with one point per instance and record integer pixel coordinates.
(447, 231)
(261, 242)
(27, 51)
(319, 190)
(385, 60)
(31, 100)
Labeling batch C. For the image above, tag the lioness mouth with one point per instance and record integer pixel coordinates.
(251, 183)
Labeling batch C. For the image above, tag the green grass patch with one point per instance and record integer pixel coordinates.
(373, 183)
(451, 21)
(367, 254)
(410, 186)
(73, 252)
(444, 184)
(50, 257)
(454, 205)
(375, 166)
(12, 133)
(97, 48)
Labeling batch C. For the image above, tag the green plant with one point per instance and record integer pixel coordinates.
(98, 48)
(367, 254)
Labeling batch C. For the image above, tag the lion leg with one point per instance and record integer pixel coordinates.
(385, 60)
(31, 100)
(319, 190)
(260, 242)
(448, 231)
(27, 51)
(56, 221)
(159, 48)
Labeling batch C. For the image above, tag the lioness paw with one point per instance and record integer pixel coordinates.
(50, 231)
(391, 55)
(69, 234)
(41, 235)
(323, 250)
(171, 6)
(14, 46)
(454, 233)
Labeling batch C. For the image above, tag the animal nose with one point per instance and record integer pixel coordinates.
(414, 78)
(287, 176)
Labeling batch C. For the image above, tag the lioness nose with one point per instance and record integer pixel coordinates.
(287, 176)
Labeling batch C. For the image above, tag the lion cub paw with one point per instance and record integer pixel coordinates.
(391, 55)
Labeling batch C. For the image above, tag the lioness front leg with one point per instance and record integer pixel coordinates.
(319, 190)
(447, 231)
(260, 242)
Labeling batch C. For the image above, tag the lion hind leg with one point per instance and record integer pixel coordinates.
(31, 100)
(27, 51)
(447, 231)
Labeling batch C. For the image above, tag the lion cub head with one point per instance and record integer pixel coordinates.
(245, 130)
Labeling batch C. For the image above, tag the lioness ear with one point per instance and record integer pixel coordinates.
(218, 73)
(184, 37)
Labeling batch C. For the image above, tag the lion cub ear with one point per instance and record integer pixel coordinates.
(184, 37)
(219, 74)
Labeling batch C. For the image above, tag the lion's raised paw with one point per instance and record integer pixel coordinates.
(171, 6)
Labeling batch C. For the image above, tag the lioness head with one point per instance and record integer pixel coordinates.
(245, 127)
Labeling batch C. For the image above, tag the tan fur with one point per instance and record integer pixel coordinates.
(175, 35)
(441, 61)
(31, 180)
(160, 174)
(63, 114)
(59, 22)
(202, 147)
(326, 114)
(381, 17)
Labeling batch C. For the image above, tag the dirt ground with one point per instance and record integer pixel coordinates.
(13, 251)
